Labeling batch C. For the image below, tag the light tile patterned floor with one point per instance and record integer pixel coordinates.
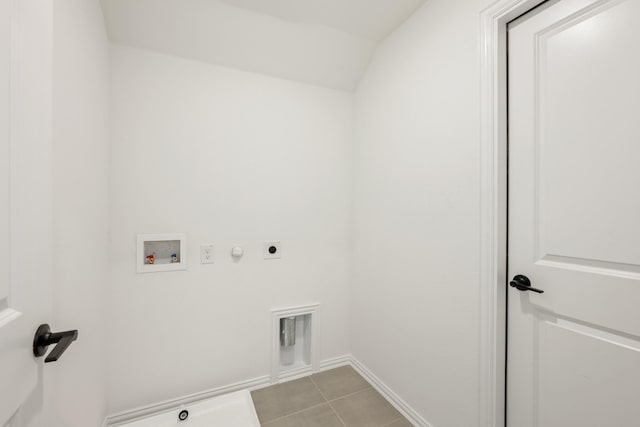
(336, 398)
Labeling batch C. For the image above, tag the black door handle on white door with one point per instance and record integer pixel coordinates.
(44, 338)
(522, 283)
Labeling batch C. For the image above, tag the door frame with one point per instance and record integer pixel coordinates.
(493, 207)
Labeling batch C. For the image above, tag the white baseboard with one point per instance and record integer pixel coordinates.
(335, 362)
(167, 405)
(325, 365)
(407, 411)
(294, 374)
(264, 381)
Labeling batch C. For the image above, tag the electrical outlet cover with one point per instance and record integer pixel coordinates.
(206, 254)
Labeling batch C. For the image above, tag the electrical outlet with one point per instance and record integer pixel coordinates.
(206, 254)
(272, 250)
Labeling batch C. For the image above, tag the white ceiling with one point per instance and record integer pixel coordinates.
(322, 42)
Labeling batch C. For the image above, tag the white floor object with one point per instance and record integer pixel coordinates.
(229, 410)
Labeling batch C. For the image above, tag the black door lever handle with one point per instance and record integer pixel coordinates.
(522, 283)
(44, 338)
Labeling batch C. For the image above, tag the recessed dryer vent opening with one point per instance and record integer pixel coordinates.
(294, 342)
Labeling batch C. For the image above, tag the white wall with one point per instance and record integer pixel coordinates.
(76, 384)
(221, 33)
(227, 157)
(415, 294)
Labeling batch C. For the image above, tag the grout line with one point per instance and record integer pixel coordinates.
(351, 394)
(297, 412)
(328, 403)
(401, 417)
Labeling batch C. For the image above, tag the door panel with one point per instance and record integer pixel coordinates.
(574, 204)
(588, 132)
(16, 376)
(5, 78)
(25, 198)
(580, 364)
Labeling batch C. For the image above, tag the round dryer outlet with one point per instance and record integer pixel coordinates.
(272, 250)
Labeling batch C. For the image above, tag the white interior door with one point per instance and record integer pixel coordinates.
(574, 215)
(25, 200)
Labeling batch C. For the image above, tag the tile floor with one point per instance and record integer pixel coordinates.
(336, 398)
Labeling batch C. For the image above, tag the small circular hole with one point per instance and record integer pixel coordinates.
(272, 249)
